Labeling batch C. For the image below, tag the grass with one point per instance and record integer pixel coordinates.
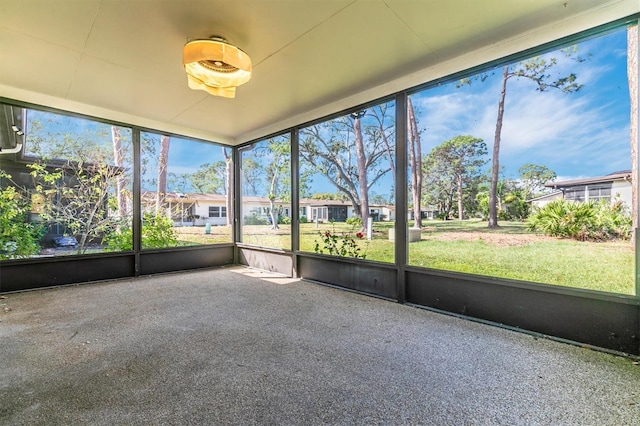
(596, 266)
(509, 251)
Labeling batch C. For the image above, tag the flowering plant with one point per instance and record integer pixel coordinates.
(342, 245)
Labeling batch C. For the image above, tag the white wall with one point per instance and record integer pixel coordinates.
(621, 190)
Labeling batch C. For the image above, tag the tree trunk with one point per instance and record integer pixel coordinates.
(495, 166)
(415, 163)
(362, 172)
(120, 182)
(162, 173)
(228, 162)
(632, 76)
(459, 191)
(390, 149)
(272, 201)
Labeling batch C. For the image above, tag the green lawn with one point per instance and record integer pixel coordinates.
(597, 266)
(468, 246)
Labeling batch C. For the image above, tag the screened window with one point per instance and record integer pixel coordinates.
(66, 187)
(187, 185)
(575, 194)
(347, 169)
(266, 192)
(559, 116)
(599, 192)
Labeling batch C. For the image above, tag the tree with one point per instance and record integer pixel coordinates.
(533, 177)
(439, 186)
(379, 199)
(209, 178)
(118, 158)
(82, 174)
(230, 192)
(83, 196)
(632, 76)
(163, 159)
(268, 173)
(362, 167)
(252, 173)
(415, 164)
(515, 205)
(458, 160)
(350, 152)
(386, 129)
(326, 196)
(178, 182)
(277, 173)
(537, 70)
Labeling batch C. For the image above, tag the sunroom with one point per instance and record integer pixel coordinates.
(375, 110)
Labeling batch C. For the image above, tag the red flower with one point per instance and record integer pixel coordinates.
(360, 235)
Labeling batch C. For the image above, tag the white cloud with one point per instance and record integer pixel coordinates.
(584, 132)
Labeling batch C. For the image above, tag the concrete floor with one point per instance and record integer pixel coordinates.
(234, 346)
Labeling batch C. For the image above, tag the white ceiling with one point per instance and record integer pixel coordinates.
(121, 59)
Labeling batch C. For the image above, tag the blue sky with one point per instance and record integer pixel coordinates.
(185, 157)
(574, 134)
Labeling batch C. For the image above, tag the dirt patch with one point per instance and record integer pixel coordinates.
(496, 239)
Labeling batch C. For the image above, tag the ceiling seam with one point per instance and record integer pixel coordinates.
(84, 46)
(305, 33)
(411, 30)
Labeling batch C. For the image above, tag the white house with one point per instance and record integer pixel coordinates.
(543, 200)
(612, 187)
(199, 209)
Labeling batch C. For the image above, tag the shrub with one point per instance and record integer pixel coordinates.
(582, 221)
(303, 219)
(284, 220)
(119, 240)
(17, 238)
(344, 245)
(613, 220)
(354, 221)
(157, 232)
(254, 220)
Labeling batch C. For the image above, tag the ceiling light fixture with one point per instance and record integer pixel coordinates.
(215, 66)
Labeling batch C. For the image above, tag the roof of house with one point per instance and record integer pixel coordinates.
(550, 195)
(611, 177)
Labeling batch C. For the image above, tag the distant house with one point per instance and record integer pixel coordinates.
(425, 213)
(545, 199)
(340, 211)
(612, 187)
(200, 209)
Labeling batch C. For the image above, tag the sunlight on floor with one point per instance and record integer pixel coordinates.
(272, 277)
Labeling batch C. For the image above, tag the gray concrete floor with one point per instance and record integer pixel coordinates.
(236, 346)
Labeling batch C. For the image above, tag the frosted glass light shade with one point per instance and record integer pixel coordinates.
(215, 66)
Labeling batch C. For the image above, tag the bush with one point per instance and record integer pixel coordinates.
(303, 219)
(157, 232)
(284, 220)
(254, 220)
(344, 245)
(17, 238)
(614, 220)
(354, 221)
(119, 240)
(582, 221)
